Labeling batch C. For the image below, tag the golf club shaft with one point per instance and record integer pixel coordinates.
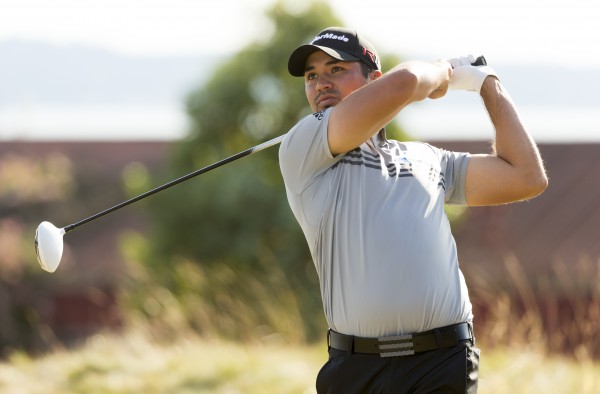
(191, 175)
(480, 61)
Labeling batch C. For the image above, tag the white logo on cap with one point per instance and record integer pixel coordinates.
(330, 36)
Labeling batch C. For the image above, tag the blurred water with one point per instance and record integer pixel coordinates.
(90, 122)
(546, 124)
(426, 121)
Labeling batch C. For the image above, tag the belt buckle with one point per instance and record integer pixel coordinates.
(400, 345)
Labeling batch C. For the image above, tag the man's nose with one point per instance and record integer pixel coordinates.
(324, 82)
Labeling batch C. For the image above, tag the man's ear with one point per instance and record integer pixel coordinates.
(374, 75)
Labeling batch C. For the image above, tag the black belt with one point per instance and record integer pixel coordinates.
(403, 345)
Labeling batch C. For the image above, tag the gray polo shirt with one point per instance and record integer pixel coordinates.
(376, 227)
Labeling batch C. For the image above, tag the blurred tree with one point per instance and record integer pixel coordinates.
(27, 185)
(238, 216)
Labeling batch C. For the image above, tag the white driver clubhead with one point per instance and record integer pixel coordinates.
(49, 245)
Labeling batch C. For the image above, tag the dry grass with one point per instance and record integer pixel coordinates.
(131, 363)
(527, 370)
(557, 311)
(537, 334)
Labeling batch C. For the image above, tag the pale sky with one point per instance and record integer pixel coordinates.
(533, 32)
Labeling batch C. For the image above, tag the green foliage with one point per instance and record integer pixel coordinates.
(236, 219)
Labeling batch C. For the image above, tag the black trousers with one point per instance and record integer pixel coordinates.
(450, 370)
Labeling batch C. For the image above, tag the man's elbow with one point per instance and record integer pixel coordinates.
(535, 185)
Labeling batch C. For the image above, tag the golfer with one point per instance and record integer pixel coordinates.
(372, 212)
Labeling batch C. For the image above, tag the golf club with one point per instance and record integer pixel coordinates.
(49, 239)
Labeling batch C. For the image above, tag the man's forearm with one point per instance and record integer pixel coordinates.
(512, 142)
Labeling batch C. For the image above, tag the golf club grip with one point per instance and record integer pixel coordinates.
(167, 185)
(480, 61)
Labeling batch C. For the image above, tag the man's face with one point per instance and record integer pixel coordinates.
(327, 81)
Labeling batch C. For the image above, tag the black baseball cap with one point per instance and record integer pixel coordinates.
(338, 42)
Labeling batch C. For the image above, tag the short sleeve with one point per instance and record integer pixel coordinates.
(304, 152)
(454, 167)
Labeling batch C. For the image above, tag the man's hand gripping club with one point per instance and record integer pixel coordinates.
(469, 73)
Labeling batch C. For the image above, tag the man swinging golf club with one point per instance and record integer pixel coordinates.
(372, 212)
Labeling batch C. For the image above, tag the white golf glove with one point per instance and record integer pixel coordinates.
(468, 77)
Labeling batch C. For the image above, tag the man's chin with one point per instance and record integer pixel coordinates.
(324, 107)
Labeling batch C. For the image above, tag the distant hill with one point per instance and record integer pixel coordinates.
(56, 75)
(552, 85)
(59, 75)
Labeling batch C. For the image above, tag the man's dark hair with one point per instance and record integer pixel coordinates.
(366, 70)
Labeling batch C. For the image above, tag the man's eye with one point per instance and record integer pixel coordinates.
(310, 76)
(336, 69)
